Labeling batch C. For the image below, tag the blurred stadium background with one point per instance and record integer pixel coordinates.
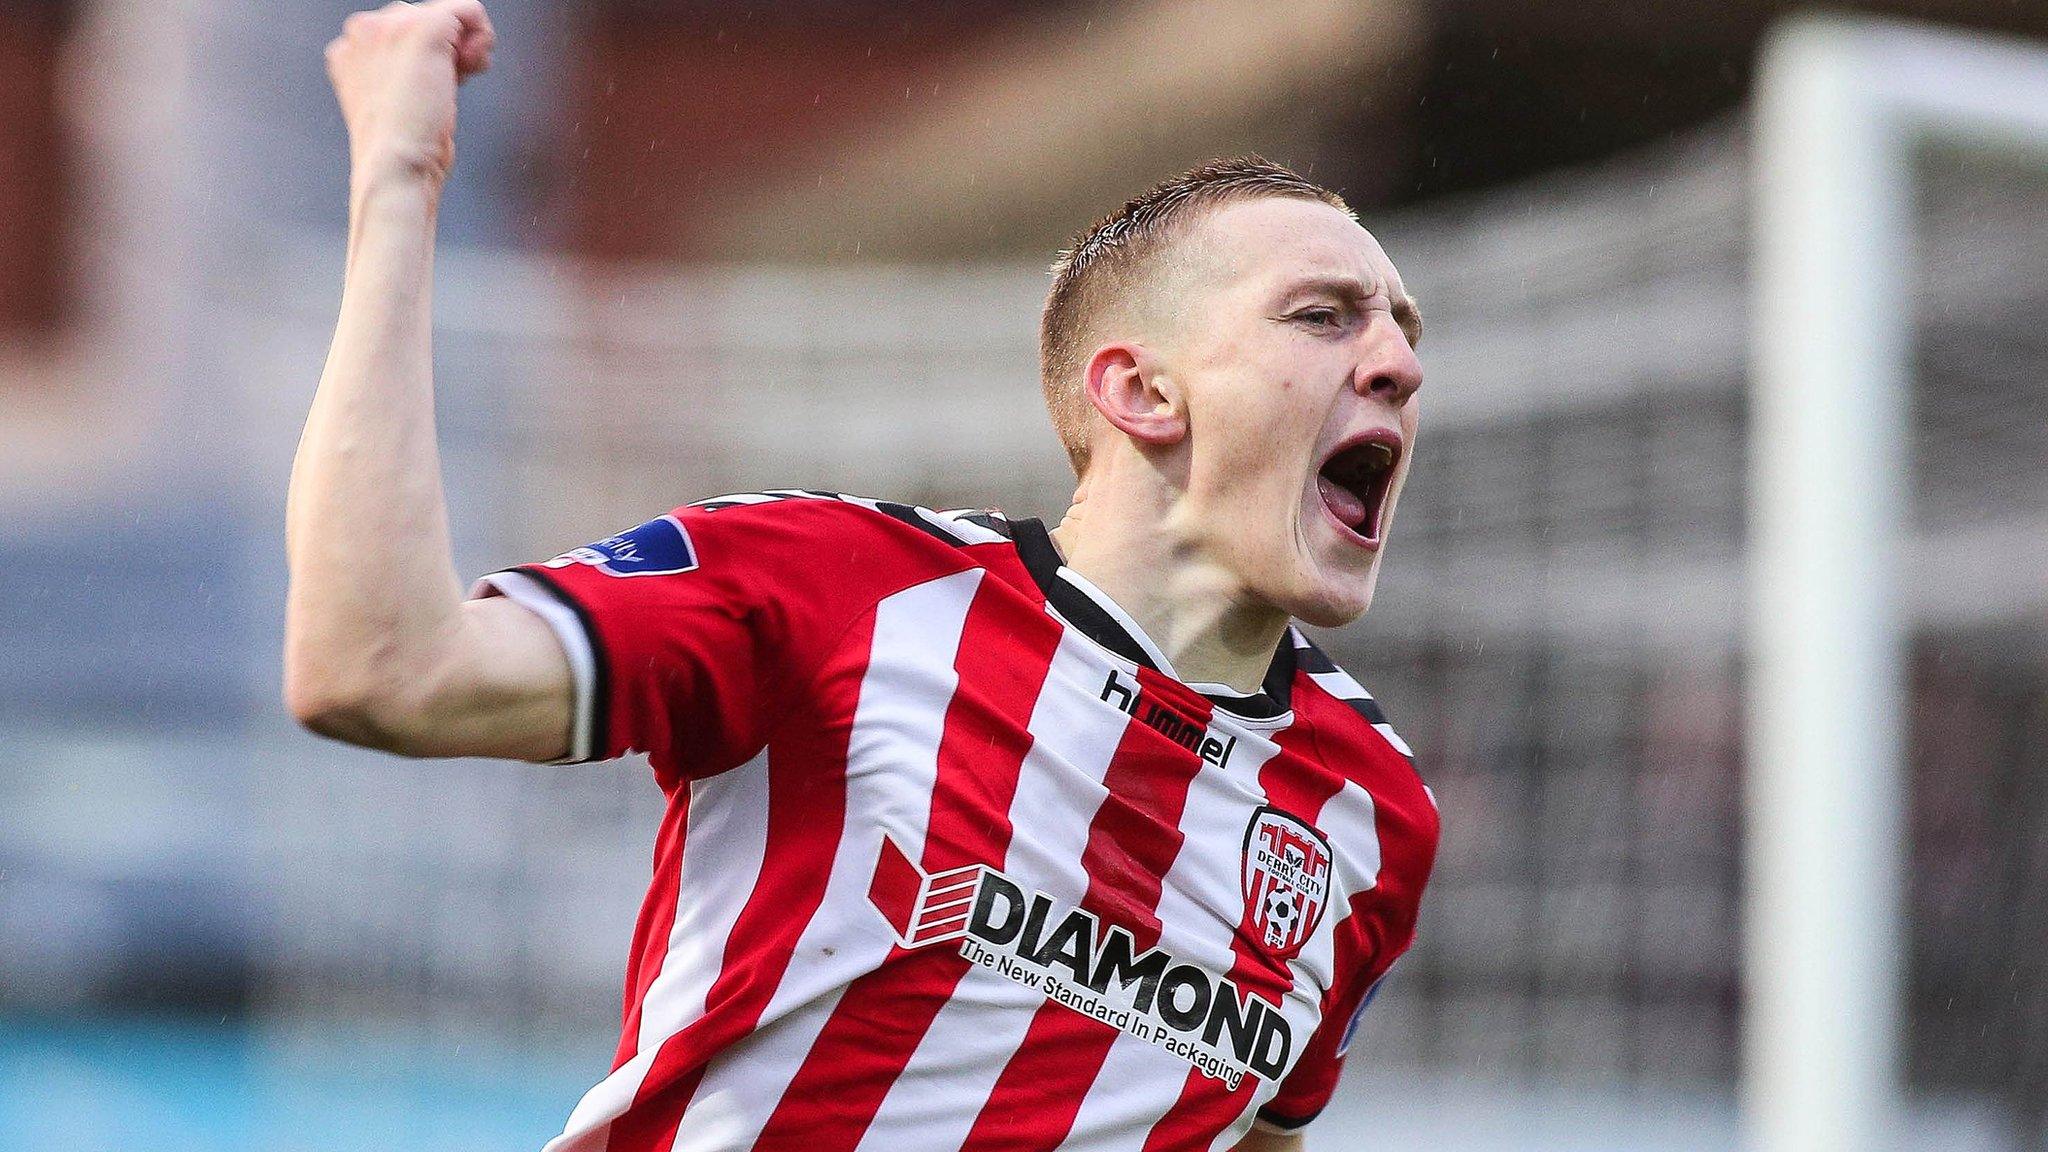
(695, 247)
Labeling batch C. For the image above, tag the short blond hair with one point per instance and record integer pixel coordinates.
(1110, 260)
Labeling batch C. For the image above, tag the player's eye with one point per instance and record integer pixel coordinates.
(1318, 317)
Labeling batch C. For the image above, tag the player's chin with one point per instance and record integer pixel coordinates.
(1334, 609)
(1336, 589)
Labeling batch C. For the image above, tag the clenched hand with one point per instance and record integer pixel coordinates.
(394, 72)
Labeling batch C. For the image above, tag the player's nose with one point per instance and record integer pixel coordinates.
(1388, 370)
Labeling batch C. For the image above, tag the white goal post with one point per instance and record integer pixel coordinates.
(1841, 105)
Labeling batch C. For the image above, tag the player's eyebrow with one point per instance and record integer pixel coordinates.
(1408, 315)
(1406, 312)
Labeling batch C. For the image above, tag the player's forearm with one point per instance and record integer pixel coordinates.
(374, 593)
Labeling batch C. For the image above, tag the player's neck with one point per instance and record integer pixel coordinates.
(1123, 537)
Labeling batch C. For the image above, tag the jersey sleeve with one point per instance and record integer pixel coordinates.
(1380, 925)
(1308, 1088)
(1369, 941)
(688, 636)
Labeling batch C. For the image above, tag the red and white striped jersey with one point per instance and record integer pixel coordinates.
(951, 859)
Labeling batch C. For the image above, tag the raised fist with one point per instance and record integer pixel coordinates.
(395, 71)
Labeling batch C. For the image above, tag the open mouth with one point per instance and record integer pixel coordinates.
(1355, 480)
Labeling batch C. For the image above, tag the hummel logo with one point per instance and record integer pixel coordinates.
(1183, 731)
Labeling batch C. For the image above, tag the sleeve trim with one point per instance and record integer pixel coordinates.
(572, 625)
(1273, 1121)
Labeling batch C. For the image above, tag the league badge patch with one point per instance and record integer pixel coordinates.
(660, 547)
(1286, 880)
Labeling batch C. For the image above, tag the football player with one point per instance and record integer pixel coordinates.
(979, 833)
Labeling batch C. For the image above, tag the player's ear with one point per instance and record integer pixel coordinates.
(1126, 384)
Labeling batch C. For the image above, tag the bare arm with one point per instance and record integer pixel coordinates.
(1260, 1140)
(381, 649)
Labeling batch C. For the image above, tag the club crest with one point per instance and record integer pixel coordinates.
(1286, 881)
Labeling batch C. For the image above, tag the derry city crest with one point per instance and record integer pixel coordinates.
(1286, 881)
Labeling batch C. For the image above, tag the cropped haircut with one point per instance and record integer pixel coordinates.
(1116, 254)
